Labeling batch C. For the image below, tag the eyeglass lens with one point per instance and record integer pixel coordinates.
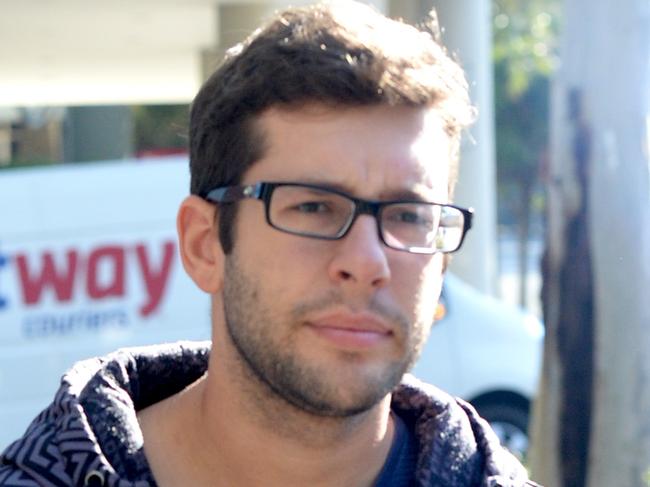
(321, 213)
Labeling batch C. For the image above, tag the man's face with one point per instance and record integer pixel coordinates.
(331, 326)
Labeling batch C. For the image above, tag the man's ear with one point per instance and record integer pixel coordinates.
(201, 252)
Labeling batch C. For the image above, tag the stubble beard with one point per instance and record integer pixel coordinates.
(275, 364)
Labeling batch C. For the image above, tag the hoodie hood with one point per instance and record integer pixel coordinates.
(90, 436)
(456, 447)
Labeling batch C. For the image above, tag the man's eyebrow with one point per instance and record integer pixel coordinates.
(403, 194)
(394, 194)
(331, 185)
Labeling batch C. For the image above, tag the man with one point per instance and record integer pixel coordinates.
(323, 157)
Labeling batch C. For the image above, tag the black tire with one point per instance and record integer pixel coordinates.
(510, 423)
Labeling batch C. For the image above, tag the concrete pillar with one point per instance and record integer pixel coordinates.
(7, 117)
(234, 22)
(5, 144)
(467, 33)
(97, 133)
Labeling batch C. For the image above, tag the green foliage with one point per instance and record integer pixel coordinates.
(522, 126)
(160, 126)
(15, 162)
(525, 40)
(524, 55)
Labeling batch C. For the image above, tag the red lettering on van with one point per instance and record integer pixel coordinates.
(114, 256)
(155, 280)
(103, 272)
(61, 280)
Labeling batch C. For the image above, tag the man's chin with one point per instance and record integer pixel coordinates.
(349, 395)
(338, 407)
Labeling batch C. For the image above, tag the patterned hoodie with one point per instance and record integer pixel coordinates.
(89, 435)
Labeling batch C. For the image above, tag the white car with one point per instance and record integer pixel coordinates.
(488, 353)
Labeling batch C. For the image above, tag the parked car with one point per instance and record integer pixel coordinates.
(488, 353)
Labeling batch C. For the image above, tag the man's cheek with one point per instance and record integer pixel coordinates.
(429, 290)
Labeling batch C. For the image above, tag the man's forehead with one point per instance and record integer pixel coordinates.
(393, 152)
(418, 184)
(425, 130)
(317, 111)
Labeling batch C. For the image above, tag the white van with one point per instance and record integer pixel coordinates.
(488, 353)
(89, 263)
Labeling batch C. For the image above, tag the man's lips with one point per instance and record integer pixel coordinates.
(351, 330)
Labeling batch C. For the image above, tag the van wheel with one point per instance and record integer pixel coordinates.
(510, 423)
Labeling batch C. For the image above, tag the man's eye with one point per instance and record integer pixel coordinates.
(409, 217)
(312, 207)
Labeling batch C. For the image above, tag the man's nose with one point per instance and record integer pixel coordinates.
(360, 257)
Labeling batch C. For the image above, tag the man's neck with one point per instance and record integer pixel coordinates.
(223, 434)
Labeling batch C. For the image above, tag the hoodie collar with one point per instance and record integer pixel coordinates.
(93, 422)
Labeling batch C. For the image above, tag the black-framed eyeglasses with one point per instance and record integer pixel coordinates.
(313, 211)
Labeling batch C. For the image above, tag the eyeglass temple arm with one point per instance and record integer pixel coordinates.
(229, 194)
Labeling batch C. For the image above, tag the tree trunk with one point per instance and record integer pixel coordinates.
(596, 380)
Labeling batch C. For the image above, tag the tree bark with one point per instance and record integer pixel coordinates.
(620, 232)
(597, 264)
